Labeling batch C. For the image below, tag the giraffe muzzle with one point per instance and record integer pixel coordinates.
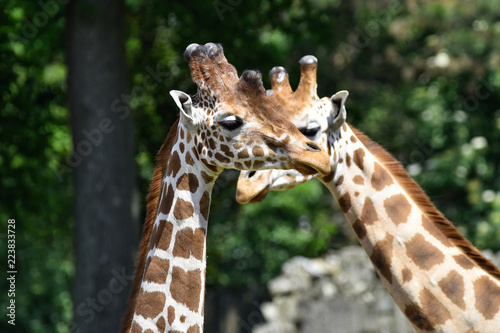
(311, 159)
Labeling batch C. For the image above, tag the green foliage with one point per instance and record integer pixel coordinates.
(34, 140)
(424, 82)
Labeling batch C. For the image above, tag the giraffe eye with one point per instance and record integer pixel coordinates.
(309, 132)
(231, 123)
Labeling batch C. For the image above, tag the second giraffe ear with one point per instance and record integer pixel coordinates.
(338, 116)
(185, 105)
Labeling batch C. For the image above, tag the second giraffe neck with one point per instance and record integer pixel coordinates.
(172, 289)
(439, 281)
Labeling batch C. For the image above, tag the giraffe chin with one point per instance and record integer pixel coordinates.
(260, 196)
(305, 169)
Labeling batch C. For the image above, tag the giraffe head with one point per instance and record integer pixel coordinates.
(235, 124)
(318, 119)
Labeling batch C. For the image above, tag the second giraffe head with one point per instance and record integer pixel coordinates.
(318, 119)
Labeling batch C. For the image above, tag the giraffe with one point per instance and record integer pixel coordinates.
(438, 279)
(229, 123)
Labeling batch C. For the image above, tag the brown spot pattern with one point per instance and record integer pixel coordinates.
(150, 305)
(188, 182)
(238, 165)
(358, 180)
(434, 231)
(339, 180)
(194, 329)
(189, 243)
(435, 310)
(186, 287)
(382, 257)
(257, 151)
(135, 328)
(359, 229)
(258, 164)
(160, 324)
(206, 177)
(166, 236)
(237, 145)
(380, 178)
(157, 270)
(464, 261)
(358, 158)
(415, 315)
(397, 208)
(156, 234)
(183, 209)
(344, 127)
(369, 214)
(345, 202)
(243, 154)
(211, 144)
(328, 178)
(189, 159)
(195, 152)
(454, 288)
(174, 164)
(407, 275)
(183, 318)
(205, 205)
(348, 160)
(353, 139)
(221, 158)
(171, 315)
(166, 203)
(424, 254)
(487, 294)
(227, 151)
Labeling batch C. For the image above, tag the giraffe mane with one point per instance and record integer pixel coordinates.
(418, 195)
(151, 212)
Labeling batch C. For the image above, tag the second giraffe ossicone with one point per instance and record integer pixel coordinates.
(437, 278)
(229, 123)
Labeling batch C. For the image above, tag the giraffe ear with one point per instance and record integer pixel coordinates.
(338, 116)
(184, 103)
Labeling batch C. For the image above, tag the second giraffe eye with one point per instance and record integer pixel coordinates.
(309, 132)
(231, 123)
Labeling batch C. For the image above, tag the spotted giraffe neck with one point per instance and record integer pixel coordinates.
(169, 285)
(436, 277)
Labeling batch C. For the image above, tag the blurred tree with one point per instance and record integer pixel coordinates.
(102, 163)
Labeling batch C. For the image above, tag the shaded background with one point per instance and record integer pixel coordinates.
(423, 79)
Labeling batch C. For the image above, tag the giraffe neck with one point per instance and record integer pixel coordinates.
(170, 282)
(436, 277)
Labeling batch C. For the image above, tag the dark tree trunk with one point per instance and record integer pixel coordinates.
(106, 232)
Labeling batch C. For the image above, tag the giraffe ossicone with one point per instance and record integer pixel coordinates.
(229, 123)
(437, 278)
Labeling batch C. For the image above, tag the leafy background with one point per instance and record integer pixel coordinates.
(423, 78)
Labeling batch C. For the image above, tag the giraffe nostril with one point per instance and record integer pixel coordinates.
(251, 174)
(313, 146)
